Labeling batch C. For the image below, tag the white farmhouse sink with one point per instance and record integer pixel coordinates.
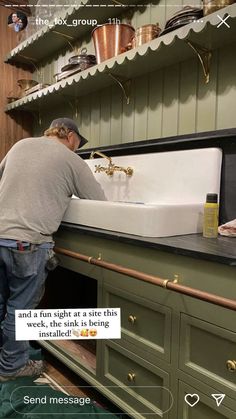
(164, 197)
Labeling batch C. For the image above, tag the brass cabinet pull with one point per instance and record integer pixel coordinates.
(231, 365)
(131, 377)
(132, 319)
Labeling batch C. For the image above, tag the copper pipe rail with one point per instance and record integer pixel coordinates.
(165, 283)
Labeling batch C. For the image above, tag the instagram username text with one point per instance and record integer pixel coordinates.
(60, 21)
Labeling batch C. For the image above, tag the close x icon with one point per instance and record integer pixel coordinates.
(223, 20)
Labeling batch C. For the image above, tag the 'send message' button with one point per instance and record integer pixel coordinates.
(43, 399)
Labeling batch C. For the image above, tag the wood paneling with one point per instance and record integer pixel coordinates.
(16, 5)
(17, 125)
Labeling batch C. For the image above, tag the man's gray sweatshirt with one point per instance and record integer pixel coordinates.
(38, 176)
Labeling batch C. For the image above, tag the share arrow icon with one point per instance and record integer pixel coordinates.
(218, 398)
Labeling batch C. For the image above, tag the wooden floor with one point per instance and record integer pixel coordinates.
(75, 386)
(82, 350)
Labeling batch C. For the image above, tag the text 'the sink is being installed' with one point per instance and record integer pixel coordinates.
(163, 197)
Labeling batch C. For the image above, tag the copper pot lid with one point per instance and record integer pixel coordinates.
(191, 16)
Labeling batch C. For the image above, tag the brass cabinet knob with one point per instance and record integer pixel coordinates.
(231, 365)
(131, 377)
(132, 319)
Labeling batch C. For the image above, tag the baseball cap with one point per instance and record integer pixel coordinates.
(70, 124)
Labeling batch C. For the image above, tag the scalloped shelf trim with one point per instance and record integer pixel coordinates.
(155, 45)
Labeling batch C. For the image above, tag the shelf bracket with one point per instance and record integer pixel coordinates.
(31, 62)
(125, 85)
(74, 105)
(67, 37)
(30, 59)
(204, 56)
(37, 116)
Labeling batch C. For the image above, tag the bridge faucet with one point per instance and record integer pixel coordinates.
(111, 168)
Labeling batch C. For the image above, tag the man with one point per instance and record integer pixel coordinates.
(38, 176)
(18, 21)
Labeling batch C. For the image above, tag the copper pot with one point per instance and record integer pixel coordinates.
(150, 28)
(145, 33)
(210, 6)
(24, 85)
(111, 40)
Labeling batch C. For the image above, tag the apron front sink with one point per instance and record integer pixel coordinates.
(164, 196)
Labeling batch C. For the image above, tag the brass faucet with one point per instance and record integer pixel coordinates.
(111, 168)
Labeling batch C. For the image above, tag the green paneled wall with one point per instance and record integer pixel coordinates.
(171, 101)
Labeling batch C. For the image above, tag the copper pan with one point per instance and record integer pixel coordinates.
(210, 6)
(150, 28)
(144, 34)
(111, 40)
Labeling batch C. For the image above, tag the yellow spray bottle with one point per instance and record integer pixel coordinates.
(211, 216)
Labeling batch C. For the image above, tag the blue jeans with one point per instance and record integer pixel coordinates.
(22, 282)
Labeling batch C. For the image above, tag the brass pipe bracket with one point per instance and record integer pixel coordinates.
(167, 281)
(176, 279)
(125, 85)
(204, 56)
(231, 365)
(92, 257)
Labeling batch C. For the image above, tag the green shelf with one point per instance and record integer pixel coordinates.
(53, 37)
(161, 52)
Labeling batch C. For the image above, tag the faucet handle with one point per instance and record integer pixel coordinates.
(97, 168)
(129, 171)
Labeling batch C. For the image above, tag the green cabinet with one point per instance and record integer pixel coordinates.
(171, 345)
(205, 352)
(145, 324)
(136, 381)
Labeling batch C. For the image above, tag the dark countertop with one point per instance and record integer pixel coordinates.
(221, 250)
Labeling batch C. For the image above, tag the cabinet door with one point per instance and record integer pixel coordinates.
(205, 352)
(138, 383)
(146, 326)
(205, 408)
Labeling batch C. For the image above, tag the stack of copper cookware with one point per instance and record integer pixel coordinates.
(145, 34)
(183, 17)
(25, 85)
(76, 63)
(210, 6)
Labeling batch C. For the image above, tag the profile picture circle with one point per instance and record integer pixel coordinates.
(17, 21)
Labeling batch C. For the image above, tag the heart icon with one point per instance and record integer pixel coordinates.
(192, 399)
